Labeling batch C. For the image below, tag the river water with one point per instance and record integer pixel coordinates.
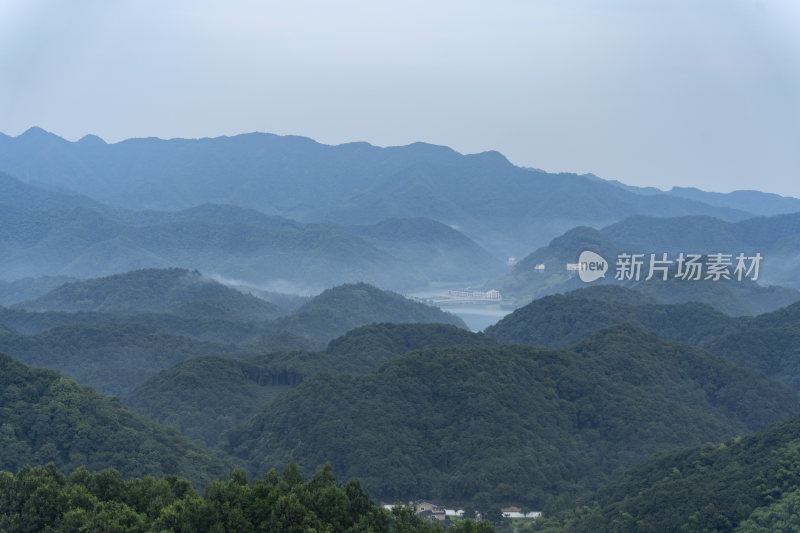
(477, 317)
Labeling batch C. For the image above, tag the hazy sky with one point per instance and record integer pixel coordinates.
(674, 92)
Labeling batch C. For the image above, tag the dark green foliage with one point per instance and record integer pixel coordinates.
(205, 396)
(563, 319)
(174, 290)
(767, 343)
(366, 348)
(774, 351)
(322, 318)
(396, 339)
(46, 418)
(222, 331)
(43, 499)
(111, 358)
(285, 341)
(518, 423)
(114, 352)
(615, 294)
(787, 317)
(340, 309)
(748, 484)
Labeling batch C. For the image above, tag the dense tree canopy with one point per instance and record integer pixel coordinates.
(46, 418)
(205, 396)
(748, 484)
(520, 424)
(43, 499)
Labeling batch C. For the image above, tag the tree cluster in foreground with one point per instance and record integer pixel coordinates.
(44, 499)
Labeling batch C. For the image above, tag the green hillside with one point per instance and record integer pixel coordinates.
(115, 351)
(206, 396)
(175, 290)
(767, 343)
(111, 358)
(734, 298)
(324, 317)
(511, 424)
(46, 418)
(340, 309)
(228, 331)
(396, 339)
(560, 320)
(746, 485)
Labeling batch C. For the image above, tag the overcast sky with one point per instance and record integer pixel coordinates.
(678, 92)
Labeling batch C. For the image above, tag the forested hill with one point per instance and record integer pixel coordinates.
(112, 358)
(173, 290)
(340, 309)
(746, 485)
(768, 343)
(46, 418)
(511, 423)
(396, 339)
(326, 316)
(560, 320)
(114, 351)
(206, 396)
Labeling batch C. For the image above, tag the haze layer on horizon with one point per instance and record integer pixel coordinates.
(657, 93)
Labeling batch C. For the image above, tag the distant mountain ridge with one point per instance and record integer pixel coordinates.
(752, 201)
(506, 209)
(66, 235)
